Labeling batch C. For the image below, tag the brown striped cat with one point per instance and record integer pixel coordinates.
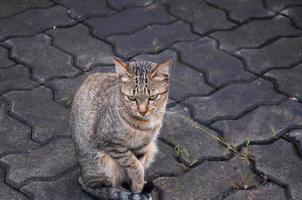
(115, 120)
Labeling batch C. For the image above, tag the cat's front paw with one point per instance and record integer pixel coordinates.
(137, 187)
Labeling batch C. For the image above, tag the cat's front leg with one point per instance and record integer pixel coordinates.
(130, 163)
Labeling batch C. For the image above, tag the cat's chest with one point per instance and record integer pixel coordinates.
(139, 138)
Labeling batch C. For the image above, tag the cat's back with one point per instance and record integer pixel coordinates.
(94, 91)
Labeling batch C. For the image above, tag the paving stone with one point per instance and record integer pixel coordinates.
(264, 123)
(296, 134)
(6, 192)
(15, 78)
(82, 9)
(243, 10)
(87, 50)
(4, 61)
(117, 4)
(165, 163)
(33, 165)
(129, 20)
(38, 109)
(151, 39)
(33, 21)
(184, 80)
(289, 167)
(296, 14)
(192, 141)
(219, 67)
(282, 53)
(255, 33)
(267, 192)
(207, 181)
(289, 80)
(203, 17)
(38, 54)
(233, 100)
(66, 187)
(278, 5)
(14, 136)
(12, 7)
(65, 88)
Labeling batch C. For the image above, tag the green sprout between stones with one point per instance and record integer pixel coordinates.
(156, 45)
(66, 100)
(274, 131)
(243, 155)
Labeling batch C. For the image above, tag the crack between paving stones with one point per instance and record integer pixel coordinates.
(261, 74)
(73, 23)
(226, 12)
(73, 57)
(5, 168)
(26, 10)
(35, 179)
(272, 179)
(167, 7)
(294, 142)
(206, 76)
(266, 43)
(21, 120)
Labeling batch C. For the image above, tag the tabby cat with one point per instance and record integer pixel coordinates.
(116, 118)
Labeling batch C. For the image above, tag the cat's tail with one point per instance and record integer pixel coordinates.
(110, 193)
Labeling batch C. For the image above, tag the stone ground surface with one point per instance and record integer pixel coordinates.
(233, 129)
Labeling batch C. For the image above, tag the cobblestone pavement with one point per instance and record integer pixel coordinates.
(233, 129)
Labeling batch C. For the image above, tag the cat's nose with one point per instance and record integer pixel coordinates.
(142, 109)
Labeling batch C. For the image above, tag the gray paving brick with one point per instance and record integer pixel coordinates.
(207, 181)
(233, 100)
(220, 68)
(296, 135)
(243, 10)
(65, 187)
(129, 20)
(82, 9)
(4, 61)
(6, 192)
(263, 124)
(255, 33)
(266, 192)
(60, 157)
(203, 17)
(38, 54)
(192, 141)
(33, 21)
(296, 14)
(14, 136)
(13, 7)
(65, 88)
(151, 39)
(288, 80)
(184, 80)
(15, 78)
(165, 163)
(117, 4)
(282, 53)
(283, 155)
(87, 50)
(37, 108)
(278, 5)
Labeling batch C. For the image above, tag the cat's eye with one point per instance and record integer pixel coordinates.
(153, 97)
(131, 98)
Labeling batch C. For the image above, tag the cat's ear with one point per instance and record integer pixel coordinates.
(161, 71)
(122, 69)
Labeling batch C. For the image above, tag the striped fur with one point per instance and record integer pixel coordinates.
(115, 120)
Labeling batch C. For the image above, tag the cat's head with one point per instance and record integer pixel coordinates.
(144, 87)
